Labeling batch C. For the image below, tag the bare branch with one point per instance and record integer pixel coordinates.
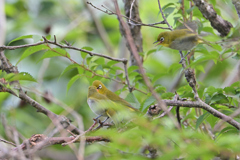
(165, 19)
(201, 104)
(5, 141)
(109, 12)
(101, 30)
(62, 46)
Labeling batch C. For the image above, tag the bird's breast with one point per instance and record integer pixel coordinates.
(96, 107)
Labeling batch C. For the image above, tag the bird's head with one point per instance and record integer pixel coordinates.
(163, 39)
(91, 90)
(100, 86)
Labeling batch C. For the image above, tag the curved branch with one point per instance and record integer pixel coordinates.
(39, 141)
(201, 104)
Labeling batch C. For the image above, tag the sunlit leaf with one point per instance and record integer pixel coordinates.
(20, 38)
(32, 50)
(148, 102)
(72, 80)
(71, 66)
(84, 54)
(201, 119)
(22, 76)
(167, 95)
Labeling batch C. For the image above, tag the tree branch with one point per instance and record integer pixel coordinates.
(39, 141)
(110, 12)
(201, 104)
(221, 25)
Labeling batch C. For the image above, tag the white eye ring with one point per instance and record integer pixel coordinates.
(161, 39)
(100, 86)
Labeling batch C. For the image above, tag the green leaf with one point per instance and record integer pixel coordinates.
(149, 101)
(132, 100)
(219, 98)
(32, 50)
(200, 68)
(174, 67)
(210, 90)
(132, 68)
(227, 129)
(237, 56)
(72, 80)
(54, 53)
(111, 63)
(84, 54)
(201, 119)
(167, 95)
(23, 76)
(168, 11)
(20, 38)
(9, 76)
(159, 88)
(115, 68)
(48, 37)
(69, 68)
(61, 52)
(203, 58)
(100, 61)
(88, 60)
(167, 5)
(151, 51)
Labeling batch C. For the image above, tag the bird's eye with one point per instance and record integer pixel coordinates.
(99, 87)
(161, 39)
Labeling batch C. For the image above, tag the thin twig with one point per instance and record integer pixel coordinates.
(101, 30)
(165, 19)
(130, 15)
(109, 12)
(78, 136)
(127, 79)
(46, 41)
(5, 141)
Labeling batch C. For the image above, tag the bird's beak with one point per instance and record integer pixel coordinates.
(158, 43)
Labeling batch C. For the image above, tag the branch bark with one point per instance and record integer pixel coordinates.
(201, 104)
(131, 6)
(236, 3)
(39, 141)
(217, 22)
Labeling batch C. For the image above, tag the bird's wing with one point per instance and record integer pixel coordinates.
(185, 42)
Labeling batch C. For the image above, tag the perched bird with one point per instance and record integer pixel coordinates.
(180, 39)
(99, 103)
(112, 96)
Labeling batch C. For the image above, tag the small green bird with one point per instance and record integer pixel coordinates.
(99, 103)
(180, 39)
(112, 96)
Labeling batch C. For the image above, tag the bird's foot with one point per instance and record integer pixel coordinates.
(100, 125)
(182, 59)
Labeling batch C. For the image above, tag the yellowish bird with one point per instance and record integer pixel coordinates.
(99, 103)
(180, 39)
(101, 88)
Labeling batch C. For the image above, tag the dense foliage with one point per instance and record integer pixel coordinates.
(63, 76)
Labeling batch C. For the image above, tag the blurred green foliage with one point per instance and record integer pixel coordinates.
(68, 82)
